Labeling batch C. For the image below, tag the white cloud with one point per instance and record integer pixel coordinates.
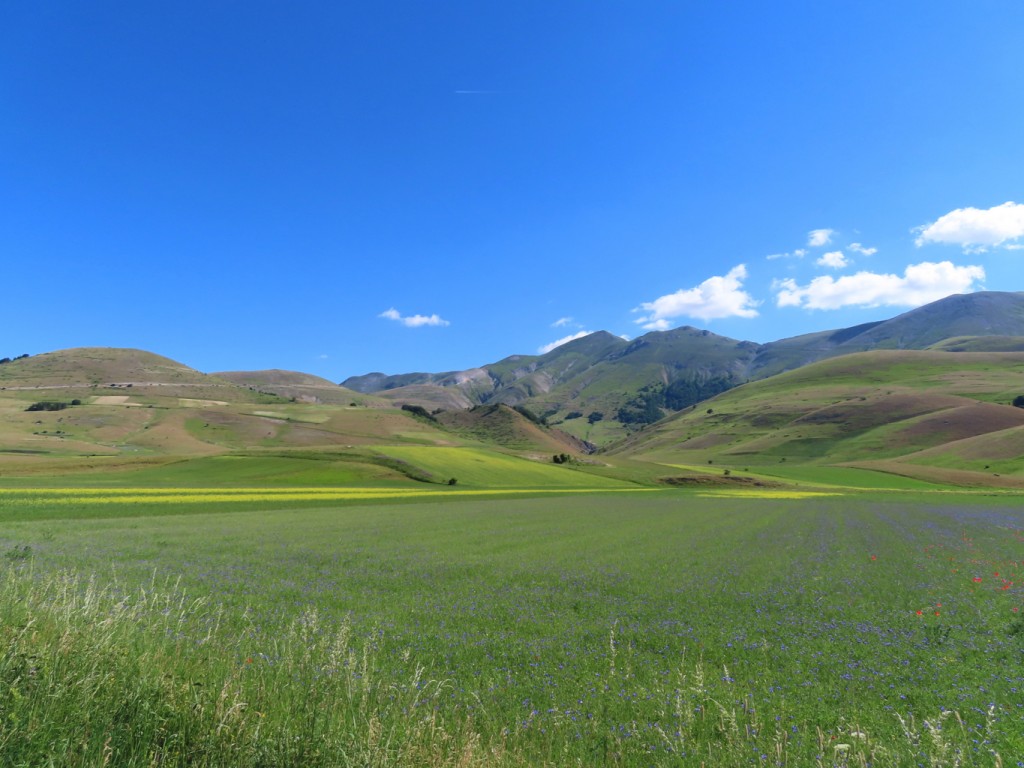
(834, 260)
(564, 340)
(414, 321)
(715, 298)
(920, 284)
(973, 229)
(819, 237)
(799, 253)
(858, 248)
(561, 322)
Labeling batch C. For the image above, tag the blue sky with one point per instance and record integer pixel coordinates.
(341, 188)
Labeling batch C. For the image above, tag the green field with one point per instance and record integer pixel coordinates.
(532, 628)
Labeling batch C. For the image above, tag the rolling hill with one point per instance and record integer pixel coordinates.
(920, 414)
(98, 408)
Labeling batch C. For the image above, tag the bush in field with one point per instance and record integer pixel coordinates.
(1018, 401)
(47, 405)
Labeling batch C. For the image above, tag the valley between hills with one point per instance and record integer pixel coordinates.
(923, 400)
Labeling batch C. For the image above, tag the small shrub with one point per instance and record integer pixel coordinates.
(19, 553)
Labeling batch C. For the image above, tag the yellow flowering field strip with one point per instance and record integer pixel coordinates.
(767, 493)
(91, 496)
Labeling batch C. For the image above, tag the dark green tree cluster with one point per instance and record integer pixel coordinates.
(574, 415)
(561, 458)
(646, 407)
(686, 392)
(1018, 401)
(418, 410)
(10, 359)
(594, 417)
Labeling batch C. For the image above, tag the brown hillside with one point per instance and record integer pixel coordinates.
(501, 425)
(302, 387)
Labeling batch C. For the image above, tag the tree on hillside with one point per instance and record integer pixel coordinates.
(418, 410)
(1018, 401)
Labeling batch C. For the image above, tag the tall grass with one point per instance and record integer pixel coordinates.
(92, 676)
(96, 676)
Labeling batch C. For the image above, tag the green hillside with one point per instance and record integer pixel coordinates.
(475, 467)
(916, 413)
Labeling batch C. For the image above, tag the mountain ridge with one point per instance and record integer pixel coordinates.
(639, 381)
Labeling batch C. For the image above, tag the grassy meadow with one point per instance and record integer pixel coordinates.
(307, 625)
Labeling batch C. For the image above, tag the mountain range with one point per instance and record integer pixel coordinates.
(601, 387)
